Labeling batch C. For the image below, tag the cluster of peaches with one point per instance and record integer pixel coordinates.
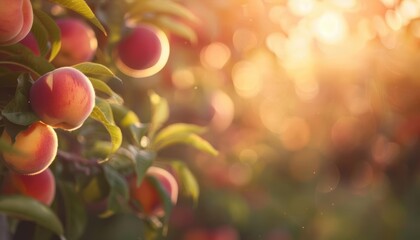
(64, 98)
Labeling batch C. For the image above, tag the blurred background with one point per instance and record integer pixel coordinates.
(315, 109)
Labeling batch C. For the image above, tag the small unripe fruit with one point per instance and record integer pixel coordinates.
(63, 98)
(78, 42)
(37, 145)
(147, 196)
(40, 186)
(143, 52)
(16, 18)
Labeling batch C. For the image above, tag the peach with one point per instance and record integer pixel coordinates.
(147, 196)
(63, 98)
(16, 18)
(40, 186)
(143, 52)
(78, 42)
(37, 145)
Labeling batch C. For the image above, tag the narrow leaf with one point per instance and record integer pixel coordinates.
(105, 108)
(176, 129)
(75, 214)
(101, 86)
(40, 34)
(166, 199)
(191, 140)
(32, 210)
(188, 182)
(118, 189)
(124, 116)
(91, 69)
(113, 130)
(18, 110)
(143, 160)
(176, 27)
(20, 56)
(81, 7)
(160, 113)
(54, 33)
(129, 122)
(164, 7)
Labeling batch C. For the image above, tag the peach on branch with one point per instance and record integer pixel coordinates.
(63, 98)
(36, 146)
(40, 186)
(143, 52)
(147, 196)
(16, 18)
(78, 42)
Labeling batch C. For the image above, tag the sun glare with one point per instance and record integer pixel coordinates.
(330, 27)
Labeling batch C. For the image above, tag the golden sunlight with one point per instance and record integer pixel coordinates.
(330, 27)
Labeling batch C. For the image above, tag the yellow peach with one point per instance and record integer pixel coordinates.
(38, 145)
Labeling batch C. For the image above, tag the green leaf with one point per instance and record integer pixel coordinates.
(124, 116)
(41, 36)
(159, 113)
(101, 86)
(176, 27)
(42, 233)
(188, 182)
(113, 130)
(18, 110)
(166, 199)
(21, 56)
(129, 123)
(32, 210)
(53, 31)
(105, 108)
(119, 192)
(81, 7)
(136, 133)
(190, 139)
(96, 70)
(162, 6)
(143, 160)
(174, 130)
(75, 214)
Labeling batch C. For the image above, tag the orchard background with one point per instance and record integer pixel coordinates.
(209, 120)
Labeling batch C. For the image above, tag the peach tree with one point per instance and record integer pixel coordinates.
(76, 157)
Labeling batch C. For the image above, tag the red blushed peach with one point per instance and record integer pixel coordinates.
(147, 196)
(63, 98)
(40, 186)
(78, 42)
(143, 52)
(37, 146)
(16, 18)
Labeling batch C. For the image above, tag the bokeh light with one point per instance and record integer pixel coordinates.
(330, 27)
(246, 79)
(315, 111)
(215, 55)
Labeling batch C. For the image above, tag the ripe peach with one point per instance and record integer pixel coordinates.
(143, 52)
(78, 42)
(147, 196)
(16, 18)
(37, 145)
(40, 186)
(63, 98)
